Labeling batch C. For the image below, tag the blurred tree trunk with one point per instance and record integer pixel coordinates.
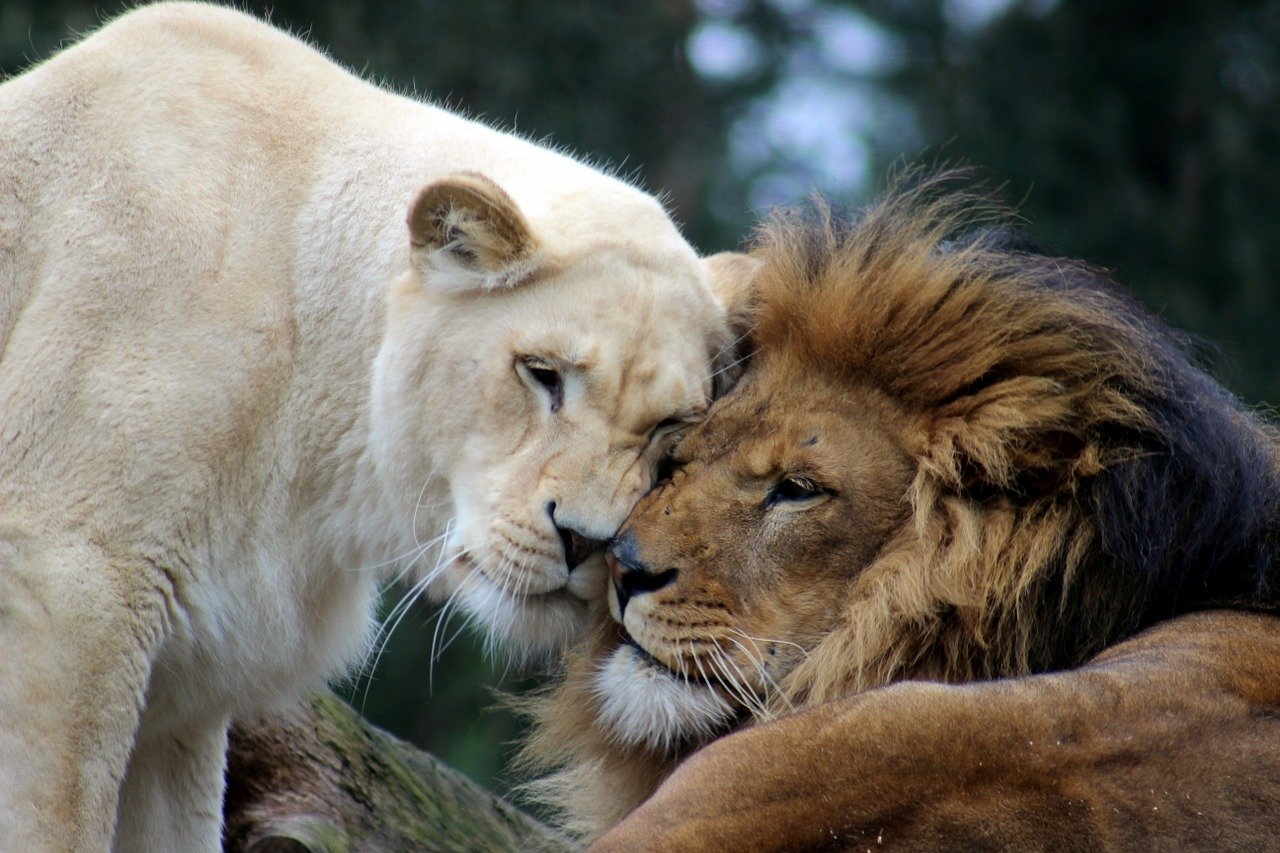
(317, 777)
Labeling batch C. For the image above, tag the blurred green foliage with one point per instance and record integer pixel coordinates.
(1143, 136)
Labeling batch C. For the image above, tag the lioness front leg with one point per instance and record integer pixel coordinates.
(73, 671)
(172, 795)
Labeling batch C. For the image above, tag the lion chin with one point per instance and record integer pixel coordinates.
(950, 459)
(644, 704)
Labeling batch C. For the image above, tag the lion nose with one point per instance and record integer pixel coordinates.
(631, 576)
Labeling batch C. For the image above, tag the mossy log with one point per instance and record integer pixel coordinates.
(320, 778)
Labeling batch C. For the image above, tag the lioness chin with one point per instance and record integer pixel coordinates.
(949, 459)
(236, 392)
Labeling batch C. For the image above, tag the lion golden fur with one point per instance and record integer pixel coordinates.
(1074, 477)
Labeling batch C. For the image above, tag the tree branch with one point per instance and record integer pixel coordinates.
(317, 777)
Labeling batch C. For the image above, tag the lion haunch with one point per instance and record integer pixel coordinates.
(950, 459)
(237, 392)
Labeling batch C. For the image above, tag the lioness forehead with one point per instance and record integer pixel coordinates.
(636, 342)
(659, 372)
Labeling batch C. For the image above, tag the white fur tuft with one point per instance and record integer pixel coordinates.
(445, 272)
(529, 629)
(643, 705)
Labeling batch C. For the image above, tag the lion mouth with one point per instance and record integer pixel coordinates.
(648, 658)
(645, 702)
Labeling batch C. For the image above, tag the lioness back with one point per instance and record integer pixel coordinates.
(236, 390)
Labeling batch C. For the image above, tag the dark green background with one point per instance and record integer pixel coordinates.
(1144, 136)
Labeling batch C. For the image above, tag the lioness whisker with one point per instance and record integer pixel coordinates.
(383, 637)
(411, 555)
(384, 632)
(729, 345)
(447, 609)
(443, 615)
(730, 366)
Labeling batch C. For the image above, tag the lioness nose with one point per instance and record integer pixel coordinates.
(631, 576)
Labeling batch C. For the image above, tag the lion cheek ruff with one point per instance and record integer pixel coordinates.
(645, 706)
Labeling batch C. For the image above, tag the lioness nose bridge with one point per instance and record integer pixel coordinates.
(596, 505)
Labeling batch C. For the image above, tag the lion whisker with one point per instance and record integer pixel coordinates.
(757, 642)
(768, 684)
(720, 668)
(757, 660)
(746, 695)
(719, 675)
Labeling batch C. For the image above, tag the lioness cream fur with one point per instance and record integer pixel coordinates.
(236, 392)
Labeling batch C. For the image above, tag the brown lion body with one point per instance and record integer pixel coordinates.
(950, 459)
(1168, 741)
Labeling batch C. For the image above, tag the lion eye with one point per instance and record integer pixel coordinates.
(548, 378)
(793, 489)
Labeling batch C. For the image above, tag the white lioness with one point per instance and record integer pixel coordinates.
(235, 392)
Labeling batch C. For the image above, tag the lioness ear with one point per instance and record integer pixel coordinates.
(467, 234)
(732, 278)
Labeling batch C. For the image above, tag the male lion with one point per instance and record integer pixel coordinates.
(951, 459)
(235, 394)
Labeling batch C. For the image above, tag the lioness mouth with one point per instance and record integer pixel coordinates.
(577, 547)
(466, 560)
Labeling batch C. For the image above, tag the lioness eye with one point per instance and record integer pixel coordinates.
(549, 378)
(667, 465)
(793, 489)
(667, 424)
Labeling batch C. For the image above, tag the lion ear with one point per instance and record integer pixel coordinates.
(467, 234)
(732, 276)
(1020, 434)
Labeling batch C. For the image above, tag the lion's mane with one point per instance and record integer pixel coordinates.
(1082, 476)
